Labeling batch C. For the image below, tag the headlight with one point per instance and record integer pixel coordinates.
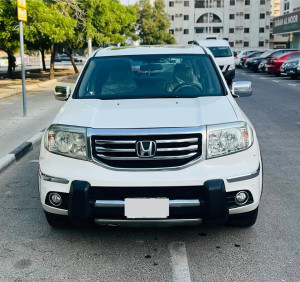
(66, 140)
(231, 67)
(229, 138)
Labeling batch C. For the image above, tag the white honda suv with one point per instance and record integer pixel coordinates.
(151, 136)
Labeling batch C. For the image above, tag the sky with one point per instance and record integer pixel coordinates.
(126, 2)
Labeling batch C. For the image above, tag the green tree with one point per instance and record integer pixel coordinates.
(9, 31)
(108, 21)
(47, 27)
(73, 9)
(36, 31)
(153, 22)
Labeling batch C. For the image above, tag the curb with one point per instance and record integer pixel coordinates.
(18, 153)
(35, 85)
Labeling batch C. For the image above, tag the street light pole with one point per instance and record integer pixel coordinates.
(23, 69)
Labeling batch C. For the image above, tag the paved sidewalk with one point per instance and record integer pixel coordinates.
(41, 110)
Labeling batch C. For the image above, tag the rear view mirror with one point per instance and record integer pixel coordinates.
(241, 89)
(62, 92)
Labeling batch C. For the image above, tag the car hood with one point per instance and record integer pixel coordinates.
(146, 113)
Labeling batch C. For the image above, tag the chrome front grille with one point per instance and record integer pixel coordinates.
(172, 150)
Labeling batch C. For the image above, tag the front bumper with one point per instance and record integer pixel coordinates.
(94, 192)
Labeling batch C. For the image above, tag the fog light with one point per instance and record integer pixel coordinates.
(55, 199)
(241, 198)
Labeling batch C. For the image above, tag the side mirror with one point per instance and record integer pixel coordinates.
(241, 89)
(62, 92)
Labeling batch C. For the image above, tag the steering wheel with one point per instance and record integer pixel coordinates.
(185, 88)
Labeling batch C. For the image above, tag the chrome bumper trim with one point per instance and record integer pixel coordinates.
(149, 222)
(53, 179)
(244, 177)
(172, 203)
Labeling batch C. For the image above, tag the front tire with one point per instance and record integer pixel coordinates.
(244, 219)
(57, 220)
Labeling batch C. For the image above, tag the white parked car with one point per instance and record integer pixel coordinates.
(241, 54)
(3, 62)
(223, 56)
(151, 135)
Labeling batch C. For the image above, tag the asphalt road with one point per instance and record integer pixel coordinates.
(269, 251)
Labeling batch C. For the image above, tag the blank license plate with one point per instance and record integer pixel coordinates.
(146, 207)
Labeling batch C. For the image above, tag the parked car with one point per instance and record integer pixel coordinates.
(291, 68)
(3, 62)
(167, 148)
(240, 55)
(274, 63)
(66, 58)
(223, 55)
(254, 62)
(262, 66)
(252, 55)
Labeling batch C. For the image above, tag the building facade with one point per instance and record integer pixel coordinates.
(244, 23)
(289, 6)
(275, 8)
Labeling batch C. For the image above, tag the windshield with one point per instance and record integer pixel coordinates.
(266, 54)
(220, 51)
(256, 54)
(149, 76)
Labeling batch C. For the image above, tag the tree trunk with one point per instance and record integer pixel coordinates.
(10, 65)
(43, 59)
(53, 52)
(73, 62)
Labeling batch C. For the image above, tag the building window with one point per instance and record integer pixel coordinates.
(200, 4)
(262, 2)
(231, 16)
(231, 44)
(261, 16)
(171, 31)
(186, 4)
(199, 30)
(171, 4)
(172, 17)
(247, 16)
(231, 30)
(261, 44)
(186, 17)
(261, 30)
(232, 2)
(209, 18)
(246, 30)
(216, 30)
(185, 31)
(246, 43)
(287, 6)
(247, 2)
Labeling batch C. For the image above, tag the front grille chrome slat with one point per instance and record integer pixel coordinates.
(101, 142)
(123, 151)
(188, 148)
(148, 159)
(187, 140)
(102, 149)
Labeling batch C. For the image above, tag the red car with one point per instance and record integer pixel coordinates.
(274, 63)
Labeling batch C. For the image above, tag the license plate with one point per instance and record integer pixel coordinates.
(267, 69)
(146, 207)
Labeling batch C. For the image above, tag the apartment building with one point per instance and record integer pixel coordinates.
(275, 8)
(289, 6)
(244, 23)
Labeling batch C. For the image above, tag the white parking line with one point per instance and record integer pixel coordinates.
(275, 80)
(263, 78)
(180, 266)
(292, 84)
